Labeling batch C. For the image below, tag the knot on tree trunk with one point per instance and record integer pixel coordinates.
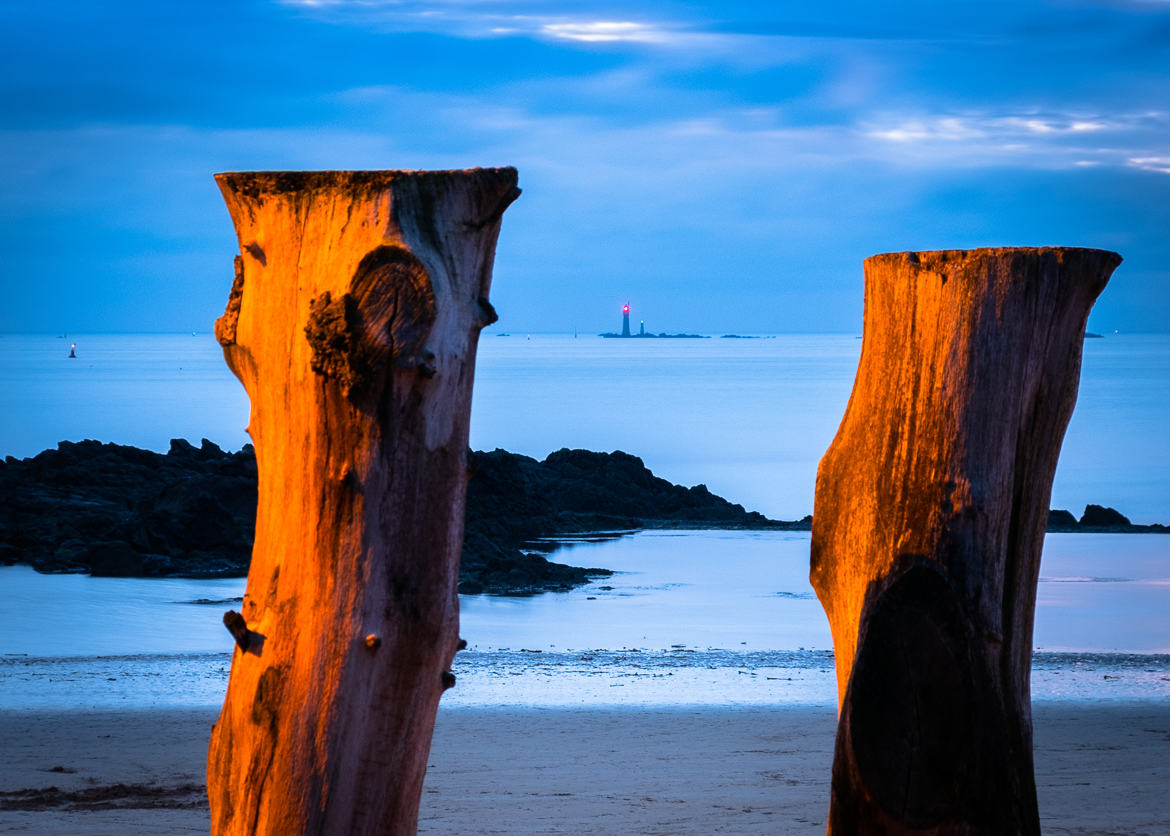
(381, 323)
(225, 326)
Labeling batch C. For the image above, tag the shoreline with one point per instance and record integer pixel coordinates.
(1100, 767)
(555, 679)
(111, 510)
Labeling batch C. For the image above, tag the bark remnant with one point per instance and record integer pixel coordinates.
(931, 506)
(352, 323)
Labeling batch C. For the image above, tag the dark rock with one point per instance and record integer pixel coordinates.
(514, 500)
(157, 566)
(1100, 516)
(9, 554)
(60, 508)
(115, 560)
(121, 511)
(117, 510)
(211, 450)
(1061, 520)
(182, 447)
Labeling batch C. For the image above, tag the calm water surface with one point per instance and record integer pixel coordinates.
(748, 418)
(691, 617)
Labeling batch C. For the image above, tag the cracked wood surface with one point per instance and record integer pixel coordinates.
(352, 323)
(930, 512)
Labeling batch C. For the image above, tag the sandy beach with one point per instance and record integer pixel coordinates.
(1101, 768)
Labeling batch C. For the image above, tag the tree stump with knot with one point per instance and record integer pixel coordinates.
(352, 323)
(930, 513)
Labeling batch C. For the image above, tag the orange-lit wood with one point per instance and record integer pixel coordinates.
(352, 323)
(930, 511)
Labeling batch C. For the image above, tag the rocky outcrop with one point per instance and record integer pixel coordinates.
(1061, 520)
(513, 500)
(114, 510)
(1098, 519)
(107, 509)
(121, 511)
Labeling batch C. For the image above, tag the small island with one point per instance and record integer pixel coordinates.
(643, 333)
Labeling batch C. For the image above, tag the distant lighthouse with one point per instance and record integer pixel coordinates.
(626, 319)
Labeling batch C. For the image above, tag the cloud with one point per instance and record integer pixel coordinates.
(948, 128)
(482, 19)
(938, 129)
(539, 21)
(1029, 140)
(606, 31)
(644, 143)
(654, 33)
(1159, 164)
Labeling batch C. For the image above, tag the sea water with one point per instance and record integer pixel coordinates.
(750, 418)
(690, 617)
(696, 617)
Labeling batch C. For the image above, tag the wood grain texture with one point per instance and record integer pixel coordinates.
(352, 323)
(930, 511)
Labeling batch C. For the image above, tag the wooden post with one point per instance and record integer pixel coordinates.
(352, 323)
(930, 511)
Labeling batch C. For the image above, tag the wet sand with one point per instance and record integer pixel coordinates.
(1101, 768)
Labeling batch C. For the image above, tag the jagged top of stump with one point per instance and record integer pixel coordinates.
(256, 183)
(1060, 254)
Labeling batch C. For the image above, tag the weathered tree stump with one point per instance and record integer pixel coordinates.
(352, 323)
(930, 511)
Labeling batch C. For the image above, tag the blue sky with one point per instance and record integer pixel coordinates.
(721, 166)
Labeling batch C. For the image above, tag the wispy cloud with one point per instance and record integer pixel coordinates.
(606, 31)
(1159, 164)
(1035, 140)
(940, 129)
(541, 21)
(698, 132)
(949, 128)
